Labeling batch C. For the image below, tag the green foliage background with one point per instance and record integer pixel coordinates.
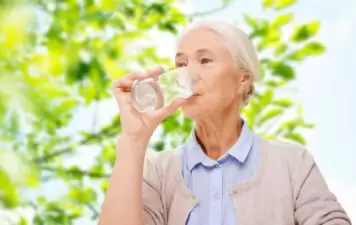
(58, 57)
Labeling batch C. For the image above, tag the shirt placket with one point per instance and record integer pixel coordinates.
(215, 198)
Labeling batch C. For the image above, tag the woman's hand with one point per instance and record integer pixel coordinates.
(136, 125)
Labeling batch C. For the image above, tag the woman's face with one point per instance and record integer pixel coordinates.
(215, 76)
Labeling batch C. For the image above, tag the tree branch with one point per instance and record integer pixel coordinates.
(94, 210)
(105, 132)
(76, 172)
(52, 155)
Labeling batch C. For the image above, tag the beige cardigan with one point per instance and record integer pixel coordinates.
(287, 189)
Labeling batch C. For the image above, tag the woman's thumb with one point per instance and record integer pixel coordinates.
(164, 112)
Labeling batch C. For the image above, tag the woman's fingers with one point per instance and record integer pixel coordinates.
(125, 83)
(155, 72)
(122, 86)
(152, 73)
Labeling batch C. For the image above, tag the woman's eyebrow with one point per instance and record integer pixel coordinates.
(199, 51)
(178, 54)
(203, 50)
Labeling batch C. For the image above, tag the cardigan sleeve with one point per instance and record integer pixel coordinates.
(315, 203)
(153, 210)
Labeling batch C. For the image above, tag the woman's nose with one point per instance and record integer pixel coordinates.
(193, 73)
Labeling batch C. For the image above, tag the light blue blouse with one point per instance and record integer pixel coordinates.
(210, 179)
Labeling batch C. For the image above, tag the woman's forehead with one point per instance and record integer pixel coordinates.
(200, 40)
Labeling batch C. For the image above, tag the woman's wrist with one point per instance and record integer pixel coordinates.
(134, 141)
(131, 149)
(139, 139)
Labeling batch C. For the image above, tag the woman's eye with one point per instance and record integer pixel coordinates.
(205, 60)
(181, 65)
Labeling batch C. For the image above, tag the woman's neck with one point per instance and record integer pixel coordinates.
(217, 133)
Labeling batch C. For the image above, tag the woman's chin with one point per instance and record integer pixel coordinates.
(191, 111)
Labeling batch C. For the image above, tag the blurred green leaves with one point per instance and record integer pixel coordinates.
(280, 49)
(270, 113)
(306, 31)
(297, 137)
(268, 3)
(67, 62)
(13, 24)
(281, 4)
(310, 49)
(57, 212)
(251, 21)
(267, 115)
(278, 4)
(283, 102)
(282, 20)
(15, 173)
(82, 196)
(283, 70)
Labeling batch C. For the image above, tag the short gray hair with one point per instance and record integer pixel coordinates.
(237, 42)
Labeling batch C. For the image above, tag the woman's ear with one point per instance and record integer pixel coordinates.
(246, 81)
(246, 78)
(248, 94)
(250, 91)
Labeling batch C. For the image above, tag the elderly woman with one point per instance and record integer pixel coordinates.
(224, 174)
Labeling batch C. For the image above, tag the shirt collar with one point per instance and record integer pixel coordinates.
(243, 145)
(195, 155)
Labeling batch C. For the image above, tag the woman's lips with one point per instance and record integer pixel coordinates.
(197, 93)
(193, 97)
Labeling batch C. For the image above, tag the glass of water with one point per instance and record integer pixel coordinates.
(149, 95)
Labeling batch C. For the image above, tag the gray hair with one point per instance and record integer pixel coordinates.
(238, 44)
